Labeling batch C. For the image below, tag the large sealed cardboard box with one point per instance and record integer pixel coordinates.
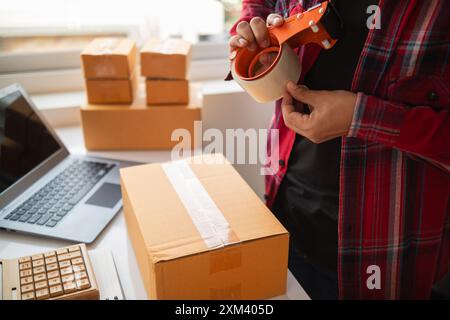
(109, 58)
(161, 91)
(165, 59)
(111, 91)
(200, 232)
(136, 126)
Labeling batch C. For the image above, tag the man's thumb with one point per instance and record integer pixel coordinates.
(301, 93)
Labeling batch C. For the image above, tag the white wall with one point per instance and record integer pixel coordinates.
(232, 109)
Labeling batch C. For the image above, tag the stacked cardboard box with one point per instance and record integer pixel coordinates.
(136, 126)
(165, 65)
(200, 232)
(109, 65)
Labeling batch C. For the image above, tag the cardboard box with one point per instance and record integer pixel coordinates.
(168, 59)
(136, 126)
(111, 91)
(167, 91)
(109, 58)
(173, 246)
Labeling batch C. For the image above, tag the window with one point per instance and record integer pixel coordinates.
(45, 37)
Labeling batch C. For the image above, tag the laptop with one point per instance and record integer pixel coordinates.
(45, 190)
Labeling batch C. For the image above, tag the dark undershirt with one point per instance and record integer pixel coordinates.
(308, 198)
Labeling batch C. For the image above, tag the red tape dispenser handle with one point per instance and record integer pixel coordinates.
(320, 24)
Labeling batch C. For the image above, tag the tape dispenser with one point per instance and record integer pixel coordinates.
(266, 82)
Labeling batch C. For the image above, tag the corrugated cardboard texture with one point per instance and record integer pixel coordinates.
(109, 58)
(175, 262)
(167, 91)
(136, 126)
(111, 91)
(165, 59)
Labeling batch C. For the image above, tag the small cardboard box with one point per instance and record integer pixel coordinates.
(167, 91)
(111, 91)
(109, 58)
(173, 246)
(168, 59)
(136, 126)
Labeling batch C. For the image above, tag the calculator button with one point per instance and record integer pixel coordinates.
(80, 275)
(74, 248)
(75, 254)
(64, 264)
(40, 277)
(37, 256)
(38, 263)
(69, 287)
(50, 260)
(28, 296)
(56, 290)
(24, 259)
(52, 267)
(25, 265)
(49, 254)
(54, 281)
(42, 294)
(53, 274)
(38, 270)
(77, 261)
(25, 273)
(66, 270)
(78, 268)
(64, 256)
(83, 284)
(41, 285)
(26, 280)
(61, 251)
(68, 278)
(26, 288)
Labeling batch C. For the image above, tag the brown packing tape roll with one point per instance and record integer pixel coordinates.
(271, 86)
(268, 83)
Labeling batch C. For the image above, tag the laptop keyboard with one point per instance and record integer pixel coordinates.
(53, 202)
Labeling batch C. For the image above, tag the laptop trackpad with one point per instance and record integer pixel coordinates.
(106, 196)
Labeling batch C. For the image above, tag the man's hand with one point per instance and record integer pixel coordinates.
(255, 33)
(331, 112)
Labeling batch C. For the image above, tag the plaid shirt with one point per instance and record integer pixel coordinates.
(394, 207)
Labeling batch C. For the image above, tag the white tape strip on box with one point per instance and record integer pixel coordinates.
(206, 216)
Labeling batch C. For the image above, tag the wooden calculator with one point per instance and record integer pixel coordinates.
(65, 273)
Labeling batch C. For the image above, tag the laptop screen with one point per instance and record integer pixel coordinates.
(25, 142)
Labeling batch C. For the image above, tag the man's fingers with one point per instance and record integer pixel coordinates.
(275, 20)
(302, 94)
(237, 41)
(267, 59)
(260, 32)
(245, 31)
(293, 119)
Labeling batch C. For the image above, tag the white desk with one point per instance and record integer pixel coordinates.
(115, 236)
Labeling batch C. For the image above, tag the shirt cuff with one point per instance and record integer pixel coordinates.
(358, 111)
